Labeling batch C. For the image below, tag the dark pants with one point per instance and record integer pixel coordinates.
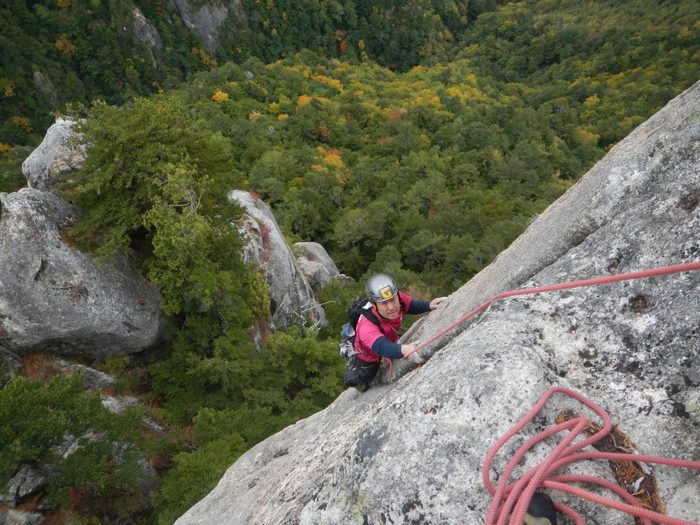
(361, 372)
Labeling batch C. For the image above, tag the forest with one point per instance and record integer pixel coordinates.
(415, 138)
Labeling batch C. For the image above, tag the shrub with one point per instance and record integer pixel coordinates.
(38, 419)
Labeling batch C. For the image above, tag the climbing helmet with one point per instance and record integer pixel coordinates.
(380, 288)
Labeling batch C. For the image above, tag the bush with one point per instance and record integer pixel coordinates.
(294, 377)
(39, 420)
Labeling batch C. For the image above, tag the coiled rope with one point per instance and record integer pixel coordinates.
(515, 497)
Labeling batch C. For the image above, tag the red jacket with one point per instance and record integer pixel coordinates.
(367, 332)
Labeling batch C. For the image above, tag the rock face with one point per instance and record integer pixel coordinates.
(145, 32)
(54, 298)
(58, 154)
(291, 297)
(29, 480)
(46, 90)
(206, 20)
(16, 517)
(410, 450)
(316, 265)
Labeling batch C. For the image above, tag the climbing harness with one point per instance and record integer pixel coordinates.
(515, 497)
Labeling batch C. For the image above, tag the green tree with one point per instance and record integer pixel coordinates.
(193, 475)
(38, 420)
(157, 183)
(296, 377)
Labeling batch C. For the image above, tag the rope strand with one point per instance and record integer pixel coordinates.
(678, 268)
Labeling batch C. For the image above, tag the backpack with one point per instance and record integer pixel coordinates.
(360, 306)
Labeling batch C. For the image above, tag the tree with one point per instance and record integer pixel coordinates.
(297, 376)
(38, 418)
(157, 183)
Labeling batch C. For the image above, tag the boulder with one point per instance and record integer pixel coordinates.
(54, 298)
(411, 449)
(291, 298)
(18, 517)
(58, 154)
(316, 265)
(94, 379)
(29, 480)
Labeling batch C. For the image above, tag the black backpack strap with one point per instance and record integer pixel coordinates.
(371, 317)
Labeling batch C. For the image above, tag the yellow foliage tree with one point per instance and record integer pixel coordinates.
(64, 45)
(204, 57)
(334, 83)
(23, 123)
(5, 150)
(303, 100)
(219, 96)
(8, 86)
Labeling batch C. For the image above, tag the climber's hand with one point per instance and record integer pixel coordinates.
(409, 351)
(436, 302)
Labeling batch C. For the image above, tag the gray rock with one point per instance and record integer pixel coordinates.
(58, 154)
(315, 263)
(291, 298)
(46, 89)
(207, 20)
(119, 404)
(18, 517)
(55, 298)
(10, 363)
(145, 32)
(29, 480)
(94, 379)
(411, 449)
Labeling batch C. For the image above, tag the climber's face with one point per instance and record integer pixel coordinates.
(389, 309)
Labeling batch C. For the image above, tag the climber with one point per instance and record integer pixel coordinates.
(373, 342)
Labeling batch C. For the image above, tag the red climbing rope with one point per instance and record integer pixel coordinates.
(515, 497)
(678, 268)
(564, 286)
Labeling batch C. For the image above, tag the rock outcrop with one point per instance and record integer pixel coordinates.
(316, 265)
(17, 517)
(291, 298)
(145, 32)
(56, 299)
(206, 20)
(28, 481)
(411, 449)
(46, 90)
(60, 153)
